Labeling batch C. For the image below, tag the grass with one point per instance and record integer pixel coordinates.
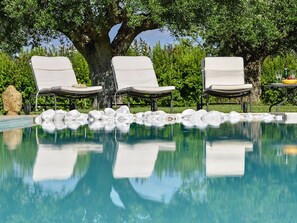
(257, 108)
(222, 108)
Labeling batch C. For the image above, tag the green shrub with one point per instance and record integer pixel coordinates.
(180, 66)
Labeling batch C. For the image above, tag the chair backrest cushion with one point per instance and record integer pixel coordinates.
(222, 71)
(52, 72)
(133, 71)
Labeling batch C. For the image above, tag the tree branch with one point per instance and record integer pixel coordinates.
(126, 34)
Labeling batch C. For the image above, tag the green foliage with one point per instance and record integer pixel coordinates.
(138, 48)
(255, 28)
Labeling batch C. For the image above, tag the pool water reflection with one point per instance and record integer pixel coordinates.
(244, 172)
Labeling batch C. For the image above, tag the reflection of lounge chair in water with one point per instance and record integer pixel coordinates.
(138, 160)
(56, 160)
(54, 163)
(226, 157)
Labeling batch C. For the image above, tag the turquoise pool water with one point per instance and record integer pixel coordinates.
(244, 172)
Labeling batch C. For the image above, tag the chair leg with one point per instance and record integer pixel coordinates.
(170, 102)
(153, 104)
(128, 98)
(110, 101)
(36, 101)
(244, 107)
(115, 100)
(251, 110)
(55, 102)
(97, 98)
(72, 105)
(207, 102)
(199, 105)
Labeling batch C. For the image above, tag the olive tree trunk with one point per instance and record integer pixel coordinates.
(252, 75)
(98, 56)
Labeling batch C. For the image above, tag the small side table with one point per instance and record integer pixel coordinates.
(287, 92)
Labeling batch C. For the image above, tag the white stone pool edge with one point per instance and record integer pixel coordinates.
(23, 121)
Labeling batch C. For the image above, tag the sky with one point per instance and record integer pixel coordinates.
(152, 37)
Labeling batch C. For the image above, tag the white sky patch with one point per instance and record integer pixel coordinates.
(152, 37)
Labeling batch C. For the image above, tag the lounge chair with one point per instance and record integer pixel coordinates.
(135, 76)
(54, 76)
(224, 77)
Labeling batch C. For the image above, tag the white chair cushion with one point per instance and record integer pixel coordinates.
(136, 71)
(56, 75)
(52, 71)
(223, 71)
(75, 90)
(231, 87)
(149, 90)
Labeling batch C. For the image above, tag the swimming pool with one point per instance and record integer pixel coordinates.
(243, 172)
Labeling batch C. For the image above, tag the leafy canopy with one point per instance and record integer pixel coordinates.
(31, 21)
(250, 28)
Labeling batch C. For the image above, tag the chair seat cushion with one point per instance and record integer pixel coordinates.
(231, 87)
(60, 90)
(148, 90)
